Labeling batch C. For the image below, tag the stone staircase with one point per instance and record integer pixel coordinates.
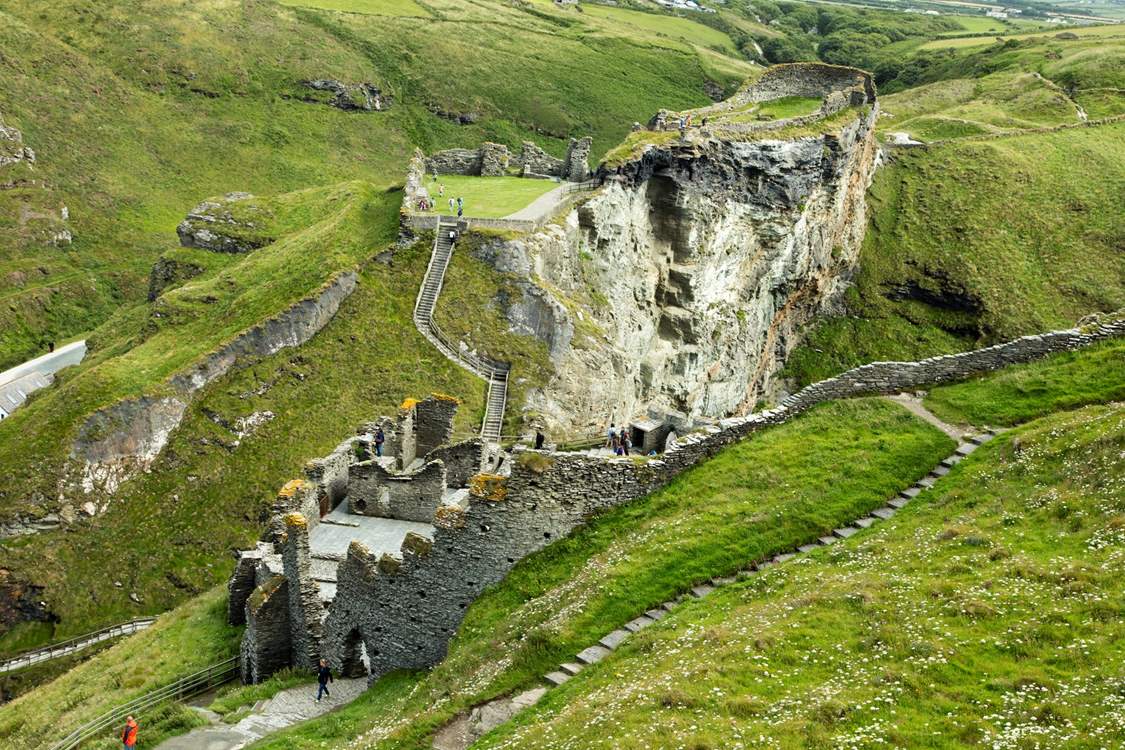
(496, 373)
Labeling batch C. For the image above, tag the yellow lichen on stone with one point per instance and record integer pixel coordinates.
(446, 397)
(449, 517)
(389, 564)
(291, 488)
(416, 543)
(492, 487)
(408, 404)
(296, 520)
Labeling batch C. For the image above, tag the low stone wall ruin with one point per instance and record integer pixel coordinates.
(404, 609)
(373, 490)
(493, 159)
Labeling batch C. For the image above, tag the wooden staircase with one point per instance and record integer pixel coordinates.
(496, 373)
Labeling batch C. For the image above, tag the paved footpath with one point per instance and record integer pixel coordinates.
(285, 709)
(542, 206)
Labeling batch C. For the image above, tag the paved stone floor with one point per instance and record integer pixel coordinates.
(378, 534)
(285, 709)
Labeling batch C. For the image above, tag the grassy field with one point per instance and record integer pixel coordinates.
(487, 197)
(184, 641)
(987, 613)
(1099, 32)
(661, 25)
(182, 111)
(1064, 381)
(950, 262)
(747, 503)
(371, 7)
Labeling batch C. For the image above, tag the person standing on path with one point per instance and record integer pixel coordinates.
(540, 438)
(323, 677)
(129, 733)
(626, 443)
(611, 435)
(380, 438)
(452, 205)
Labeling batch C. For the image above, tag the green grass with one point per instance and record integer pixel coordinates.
(1097, 32)
(185, 109)
(487, 197)
(663, 26)
(231, 700)
(372, 7)
(789, 106)
(1014, 395)
(987, 613)
(207, 492)
(754, 499)
(184, 641)
(950, 262)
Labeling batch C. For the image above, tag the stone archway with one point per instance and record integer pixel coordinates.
(354, 661)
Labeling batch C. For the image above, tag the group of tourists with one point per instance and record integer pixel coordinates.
(618, 441)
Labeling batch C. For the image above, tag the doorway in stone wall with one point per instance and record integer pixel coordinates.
(355, 662)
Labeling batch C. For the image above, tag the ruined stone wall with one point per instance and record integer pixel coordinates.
(306, 612)
(535, 160)
(462, 460)
(266, 647)
(406, 609)
(576, 167)
(433, 423)
(375, 491)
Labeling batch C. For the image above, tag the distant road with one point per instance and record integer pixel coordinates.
(22, 380)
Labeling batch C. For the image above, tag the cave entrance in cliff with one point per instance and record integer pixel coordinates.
(355, 662)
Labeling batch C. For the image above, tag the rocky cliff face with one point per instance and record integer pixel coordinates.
(683, 283)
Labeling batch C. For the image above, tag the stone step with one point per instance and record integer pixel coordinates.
(783, 557)
(655, 614)
(639, 623)
(898, 502)
(845, 531)
(723, 581)
(950, 461)
(865, 522)
(980, 439)
(912, 492)
(926, 481)
(940, 471)
(807, 548)
(614, 639)
(571, 668)
(556, 678)
(966, 448)
(764, 565)
(701, 590)
(826, 540)
(593, 654)
(884, 513)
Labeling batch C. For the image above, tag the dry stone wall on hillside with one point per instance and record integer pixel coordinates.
(402, 609)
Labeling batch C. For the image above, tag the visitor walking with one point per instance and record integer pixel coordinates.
(460, 210)
(129, 733)
(441, 190)
(626, 443)
(323, 677)
(452, 205)
(540, 438)
(380, 438)
(611, 435)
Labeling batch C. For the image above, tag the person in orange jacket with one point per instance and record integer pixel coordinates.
(129, 733)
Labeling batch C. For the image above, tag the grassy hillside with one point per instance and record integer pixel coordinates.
(978, 241)
(988, 614)
(167, 101)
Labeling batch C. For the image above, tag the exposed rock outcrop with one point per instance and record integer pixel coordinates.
(232, 224)
(116, 443)
(682, 285)
(350, 97)
(39, 216)
(168, 272)
(12, 148)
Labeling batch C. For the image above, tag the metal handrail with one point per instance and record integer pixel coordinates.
(185, 687)
(71, 645)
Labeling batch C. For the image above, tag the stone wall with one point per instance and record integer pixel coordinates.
(266, 646)
(576, 167)
(462, 460)
(305, 609)
(433, 423)
(534, 160)
(406, 608)
(375, 491)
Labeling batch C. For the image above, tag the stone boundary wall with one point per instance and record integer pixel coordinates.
(405, 609)
(838, 86)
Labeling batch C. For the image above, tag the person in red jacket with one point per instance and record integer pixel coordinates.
(129, 733)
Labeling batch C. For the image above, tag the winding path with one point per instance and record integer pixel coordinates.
(465, 729)
(285, 709)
